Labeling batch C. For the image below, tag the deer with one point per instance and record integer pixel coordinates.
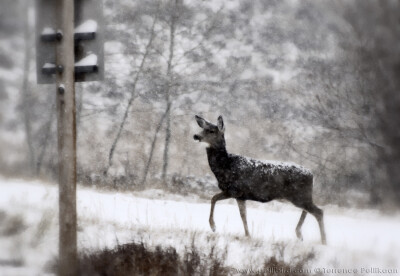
(244, 178)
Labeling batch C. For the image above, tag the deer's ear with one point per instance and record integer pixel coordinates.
(221, 125)
(201, 122)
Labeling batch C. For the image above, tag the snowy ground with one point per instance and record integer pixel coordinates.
(28, 229)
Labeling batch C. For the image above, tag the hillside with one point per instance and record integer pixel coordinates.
(356, 239)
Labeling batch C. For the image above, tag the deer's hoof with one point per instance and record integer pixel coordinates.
(299, 235)
(212, 225)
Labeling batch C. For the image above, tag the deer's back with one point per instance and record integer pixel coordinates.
(251, 179)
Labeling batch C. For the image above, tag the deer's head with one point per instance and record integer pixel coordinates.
(211, 134)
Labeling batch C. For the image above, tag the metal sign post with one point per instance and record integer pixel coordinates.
(88, 28)
(66, 139)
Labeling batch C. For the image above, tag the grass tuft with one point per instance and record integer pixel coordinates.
(11, 225)
(138, 259)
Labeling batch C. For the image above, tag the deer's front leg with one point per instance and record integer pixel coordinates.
(242, 210)
(214, 199)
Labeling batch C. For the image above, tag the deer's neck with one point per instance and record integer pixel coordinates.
(218, 160)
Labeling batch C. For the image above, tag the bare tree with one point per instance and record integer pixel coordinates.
(152, 147)
(174, 12)
(26, 93)
(349, 96)
(132, 94)
(45, 140)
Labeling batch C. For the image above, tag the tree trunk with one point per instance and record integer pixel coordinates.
(132, 97)
(153, 144)
(44, 143)
(174, 17)
(167, 142)
(25, 87)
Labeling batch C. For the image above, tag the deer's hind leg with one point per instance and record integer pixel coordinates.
(300, 224)
(319, 215)
(220, 196)
(242, 210)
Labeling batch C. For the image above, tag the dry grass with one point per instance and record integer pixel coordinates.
(137, 258)
(11, 225)
(276, 265)
(42, 227)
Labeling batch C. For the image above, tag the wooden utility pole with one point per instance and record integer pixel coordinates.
(65, 30)
(66, 139)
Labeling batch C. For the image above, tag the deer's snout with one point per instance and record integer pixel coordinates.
(197, 137)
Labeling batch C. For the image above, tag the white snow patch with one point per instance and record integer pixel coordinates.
(283, 166)
(48, 31)
(89, 60)
(49, 65)
(89, 26)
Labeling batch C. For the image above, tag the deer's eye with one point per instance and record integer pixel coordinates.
(211, 131)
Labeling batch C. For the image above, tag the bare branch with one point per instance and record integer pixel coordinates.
(133, 94)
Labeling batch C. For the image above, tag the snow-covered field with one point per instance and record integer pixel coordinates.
(357, 239)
